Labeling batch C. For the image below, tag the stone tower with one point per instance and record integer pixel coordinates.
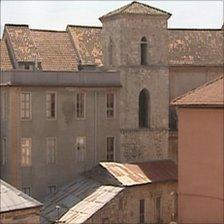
(135, 42)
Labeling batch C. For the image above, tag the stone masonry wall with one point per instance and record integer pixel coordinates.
(124, 208)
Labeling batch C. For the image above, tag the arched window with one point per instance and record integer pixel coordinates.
(110, 52)
(144, 46)
(144, 107)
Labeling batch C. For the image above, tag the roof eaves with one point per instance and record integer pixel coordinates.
(175, 103)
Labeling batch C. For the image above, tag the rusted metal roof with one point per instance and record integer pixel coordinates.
(209, 95)
(13, 199)
(142, 173)
(78, 201)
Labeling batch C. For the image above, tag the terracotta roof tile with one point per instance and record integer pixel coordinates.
(24, 48)
(195, 47)
(87, 41)
(56, 50)
(5, 63)
(210, 94)
(136, 8)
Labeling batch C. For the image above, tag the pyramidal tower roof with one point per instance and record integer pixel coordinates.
(136, 8)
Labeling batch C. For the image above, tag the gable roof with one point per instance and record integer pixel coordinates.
(5, 62)
(209, 95)
(129, 174)
(136, 8)
(23, 45)
(56, 50)
(14, 199)
(78, 201)
(87, 41)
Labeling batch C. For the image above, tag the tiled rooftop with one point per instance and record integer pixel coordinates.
(136, 8)
(5, 62)
(64, 50)
(195, 47)
(210, 94)
(56, 50)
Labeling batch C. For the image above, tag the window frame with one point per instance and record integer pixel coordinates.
(114, 104)
(48, 151)
(144, 58)
(84, 105)
(30, 106)
(4, 158)
(55, 105)
(29, 163)
(142, 211)
(83, 153)
(114, 146)
(51, 187)
(4, 105)
(24, 189)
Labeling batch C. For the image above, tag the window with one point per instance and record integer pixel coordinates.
(142, 211)
(110, 105)
(3, 153)
(51, 150)
(26, 144)
(25, 99)
(144, 102)
(80, 148)
(51, 105)
(27, 190)
(158, 209)
(4, 105)
(110, 149)
(80, 105)
(52, 189)
(110, 52)
(144, 47)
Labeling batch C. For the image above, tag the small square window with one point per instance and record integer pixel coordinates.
(52, 189)
(27, 190)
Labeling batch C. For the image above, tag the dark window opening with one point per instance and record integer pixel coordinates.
(158, 209)
(144, 46)
(142, 211)
(144, 109)
(110, 52)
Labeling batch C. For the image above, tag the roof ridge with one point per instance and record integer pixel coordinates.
(197, 88)
(84, 26)
(196, 29)
(11, 24)
(149, 6)
(46, 30)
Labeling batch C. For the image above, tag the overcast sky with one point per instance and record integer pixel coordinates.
(57, 14)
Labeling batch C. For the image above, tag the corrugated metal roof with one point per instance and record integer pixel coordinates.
(142, 173)
(13, 199)
(78, 201)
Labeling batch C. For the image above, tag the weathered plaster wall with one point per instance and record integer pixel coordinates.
(96, 127)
